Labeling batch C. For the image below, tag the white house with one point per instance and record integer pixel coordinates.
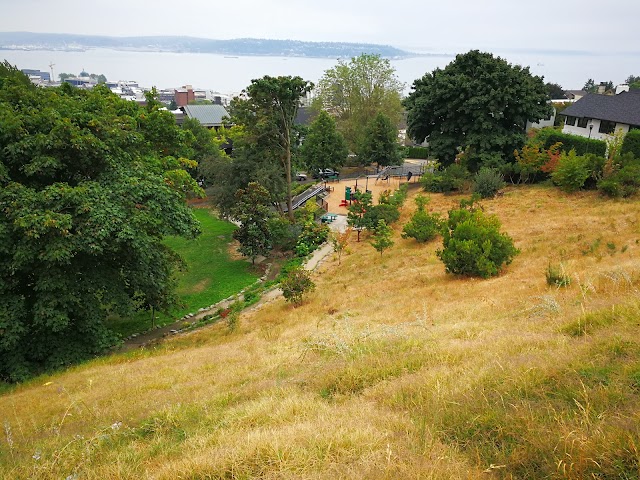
(599, 116)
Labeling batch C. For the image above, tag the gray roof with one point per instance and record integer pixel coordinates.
(207, 115)
(621, 108)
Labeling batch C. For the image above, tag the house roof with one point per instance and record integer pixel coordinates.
(621, 108)
(207, 115)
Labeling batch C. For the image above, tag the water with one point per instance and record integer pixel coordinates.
(232, 74)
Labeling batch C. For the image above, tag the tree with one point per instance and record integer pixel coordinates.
(382, 237)
(357, 91)
(340, 241)
(380, 142)
(556, 92)
(479, 104)
(86, 199)
(590, 86)
(253, 212)
(296, 284)
(633, 82)
(323, 146)
(267, 110)
(356, 217)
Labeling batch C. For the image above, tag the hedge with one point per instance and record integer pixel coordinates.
(417, 152)
(631, 143)
(581, 145)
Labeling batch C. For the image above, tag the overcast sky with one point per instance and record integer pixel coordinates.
(440, 26)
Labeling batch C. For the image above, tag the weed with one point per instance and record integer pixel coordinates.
(556, 276)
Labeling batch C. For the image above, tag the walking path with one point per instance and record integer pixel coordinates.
(144, 339)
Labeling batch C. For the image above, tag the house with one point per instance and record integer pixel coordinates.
(599, 116)
(575, 94)
(209, 116)
(543, 122)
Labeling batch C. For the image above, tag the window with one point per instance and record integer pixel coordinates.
(583, 122)
(570, 121)
(607, 127)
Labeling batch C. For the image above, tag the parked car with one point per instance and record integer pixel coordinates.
(301, 177)
(325, 173)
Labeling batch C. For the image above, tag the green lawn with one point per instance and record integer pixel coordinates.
(210, 275)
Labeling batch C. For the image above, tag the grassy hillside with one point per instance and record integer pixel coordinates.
(392, 369)
(210, 275)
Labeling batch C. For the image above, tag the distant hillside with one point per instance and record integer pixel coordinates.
(241, 46)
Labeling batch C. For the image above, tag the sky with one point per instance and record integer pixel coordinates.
(442, 27)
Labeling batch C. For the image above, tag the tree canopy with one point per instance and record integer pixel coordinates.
(266, 112)
(89, 186)
(355, 92)
(380, 142)
(323, 146)
(478, 103)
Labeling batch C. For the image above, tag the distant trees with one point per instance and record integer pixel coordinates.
(89, 187)
(478, 104)
(556, 92)
(99, 78)
(355, 92)
(324, 146)
(633, 82)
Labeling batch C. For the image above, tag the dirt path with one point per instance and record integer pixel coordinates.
(143, 339)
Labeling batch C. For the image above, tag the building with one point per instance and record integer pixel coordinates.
(209, 116)
(600, 116)
(184, 96)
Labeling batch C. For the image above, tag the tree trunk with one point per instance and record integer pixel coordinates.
(288, 174)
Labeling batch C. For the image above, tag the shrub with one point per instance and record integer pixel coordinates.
(296, 284)
(581, 145)
(417, 152)
(311, 236)
(556, 276)
(571, 173)
(383, 211)
(284, 234)
(622, 183)
(423, 226)
(487, 182)
(631, 143)
(473, 244)
(452, 178)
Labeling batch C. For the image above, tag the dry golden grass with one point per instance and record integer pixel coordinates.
(391, 369)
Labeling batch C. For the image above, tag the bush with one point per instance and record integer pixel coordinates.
(631, 143)
(488, 182)
(622, 183)
(571, 173)
(473, 244)
(284, 234)
(581, 145)
(296, 284)
(452, 178)
(383, 211)
(556, 276)
(417, 152)
(423, 226)
(311, 236)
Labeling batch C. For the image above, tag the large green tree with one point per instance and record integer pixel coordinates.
(355, 92)
(380, 142)
(324, 146)
(252, 211)
(478, 103)
(266, 111)
(87, 195)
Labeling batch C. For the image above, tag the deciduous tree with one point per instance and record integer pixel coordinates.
(267, 109)
(86, 197)
(253, 212)
(354, 92)
(479, 104)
